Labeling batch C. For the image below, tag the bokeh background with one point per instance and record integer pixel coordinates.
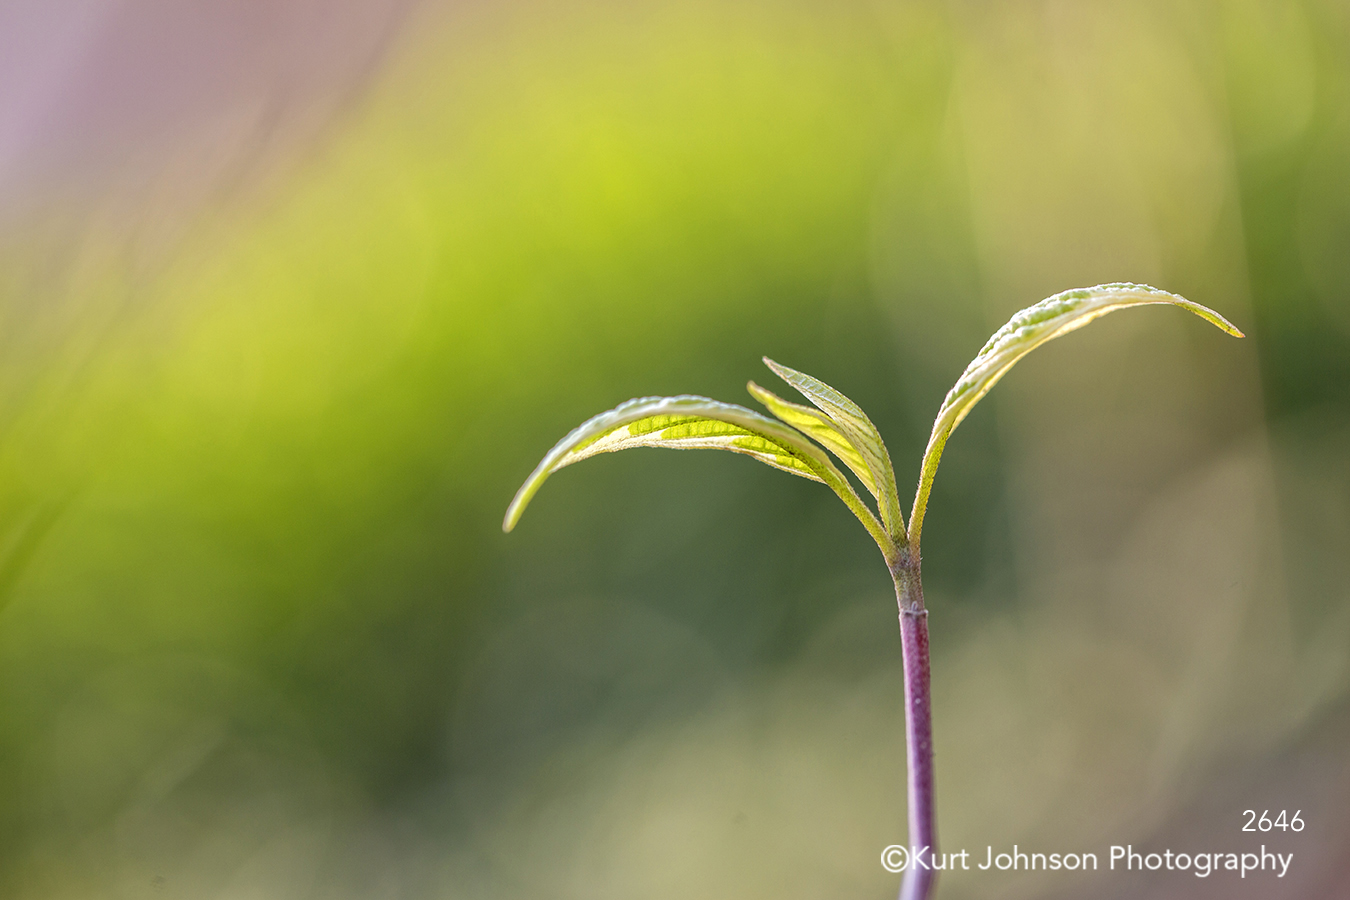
(293, 295)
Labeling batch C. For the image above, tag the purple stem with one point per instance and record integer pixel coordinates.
(920, 878)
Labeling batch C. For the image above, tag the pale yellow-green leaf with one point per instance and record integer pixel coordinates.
(817, 426)
(852, 423)
(1025, 331)
(688, 422)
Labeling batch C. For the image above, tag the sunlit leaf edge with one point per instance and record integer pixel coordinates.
(791, 450)
(855, 425)
(1029, 328)
(819, 427)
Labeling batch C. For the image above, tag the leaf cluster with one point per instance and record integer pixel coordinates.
(800, 439)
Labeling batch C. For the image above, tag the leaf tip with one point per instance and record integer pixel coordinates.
(1220, 322)
(519, 502)
(782, 371)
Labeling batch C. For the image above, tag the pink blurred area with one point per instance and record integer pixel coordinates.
(178, 102)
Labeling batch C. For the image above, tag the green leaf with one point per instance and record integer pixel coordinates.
(688, 422)
(1051, 318)
(859, 432)
(818, 427)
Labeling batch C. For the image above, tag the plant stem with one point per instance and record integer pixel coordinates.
(919, 877)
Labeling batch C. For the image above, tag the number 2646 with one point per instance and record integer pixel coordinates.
(1282, 821)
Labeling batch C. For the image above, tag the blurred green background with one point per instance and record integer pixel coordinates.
(293, 295)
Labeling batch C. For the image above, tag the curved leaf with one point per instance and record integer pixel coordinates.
(818, 427)
(1025, 331)
(859, 431)
(688, 422)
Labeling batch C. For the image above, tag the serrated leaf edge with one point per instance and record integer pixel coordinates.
(854, 424)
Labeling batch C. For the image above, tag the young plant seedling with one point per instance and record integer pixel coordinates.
(798, 442)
